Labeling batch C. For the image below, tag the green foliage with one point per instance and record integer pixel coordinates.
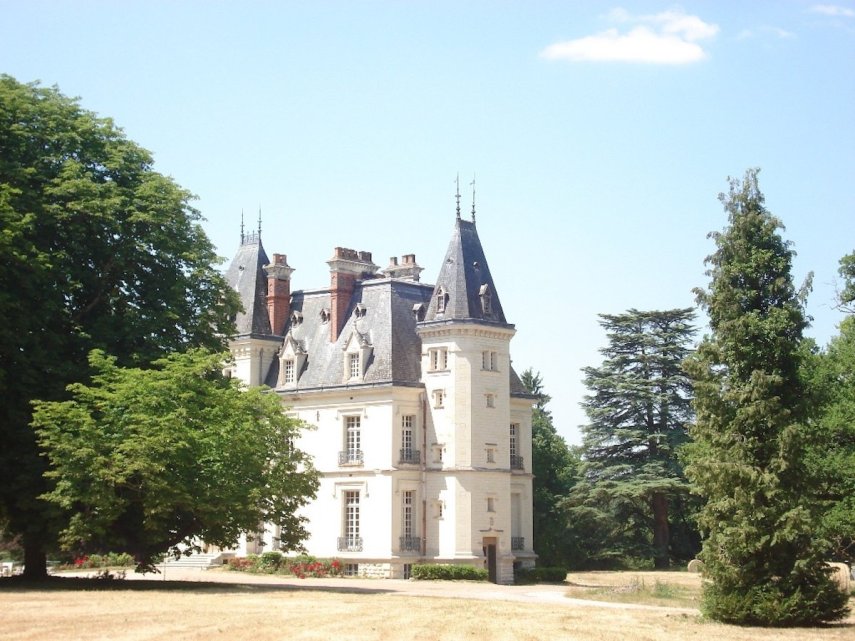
(97, 250)
(437, 572)
(762, 553)
(831, 375)
(639, 408)
(847, 273)
(271, 560)
(111, 559)
(555, 468)
(152, 460)
(528, 576)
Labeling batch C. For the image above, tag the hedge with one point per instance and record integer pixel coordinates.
(436, 572)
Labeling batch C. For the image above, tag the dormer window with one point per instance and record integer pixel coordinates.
(357, 356)
(325, 315)
(292, 362)
(288, 373)
(441, 300)
(353, 365)
(360, 310)
(419, 311)
(486, 299)
(296, 317)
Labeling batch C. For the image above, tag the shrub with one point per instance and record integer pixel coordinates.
(270, 561)
(540, 575)
(436, 572)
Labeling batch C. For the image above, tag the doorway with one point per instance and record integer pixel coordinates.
(490, 558)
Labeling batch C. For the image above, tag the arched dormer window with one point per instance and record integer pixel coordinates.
(296, 317)
(325, 315)
(419, 311)
(441, 300)
(486, 299)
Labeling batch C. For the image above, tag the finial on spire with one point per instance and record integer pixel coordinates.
(457, 196)
(259, 221)
(242, 237)
(473, 197)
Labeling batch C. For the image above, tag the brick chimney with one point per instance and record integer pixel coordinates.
(278, 293)
(346, 267)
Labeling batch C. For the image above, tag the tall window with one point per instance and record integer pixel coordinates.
(352, 441)
(351, 519)
(439, 398)
(408, 515)
(353, 362)
(441, 300)
(513, 446)
(408, 452)
(289, 371)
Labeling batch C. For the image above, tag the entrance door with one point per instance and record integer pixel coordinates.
(490, 553)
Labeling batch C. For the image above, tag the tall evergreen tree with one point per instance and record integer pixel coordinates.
(764, 560)
(639, 407)
(555, 468)
(97, 250)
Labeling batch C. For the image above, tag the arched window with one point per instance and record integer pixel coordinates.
(441, 300)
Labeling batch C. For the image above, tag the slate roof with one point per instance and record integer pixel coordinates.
(246, 276)
(388, 324)
(464, 276)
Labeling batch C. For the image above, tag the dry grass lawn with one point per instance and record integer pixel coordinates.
(142, 610)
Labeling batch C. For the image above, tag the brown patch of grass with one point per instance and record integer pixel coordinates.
(673, 589)
(148, 610)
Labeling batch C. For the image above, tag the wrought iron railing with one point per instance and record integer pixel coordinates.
(409, 455)
(349, 544)
(518, 543)
(410, 544)
(350, 457)
(517, 462)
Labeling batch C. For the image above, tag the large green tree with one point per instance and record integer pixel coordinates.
(152, 460)
(639, 408)
(555, 468)
(764, 559)
(97, 250)
(831, 374)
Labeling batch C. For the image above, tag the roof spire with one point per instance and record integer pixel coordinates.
(473, 197)
(259, 222)
(242, 237)
(457, 196)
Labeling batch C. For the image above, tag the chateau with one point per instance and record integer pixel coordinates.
(423, 429)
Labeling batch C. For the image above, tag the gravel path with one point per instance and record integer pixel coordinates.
(447, 589)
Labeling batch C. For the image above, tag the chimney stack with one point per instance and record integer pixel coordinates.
(278, 293)
(346, 267)
(407, 269)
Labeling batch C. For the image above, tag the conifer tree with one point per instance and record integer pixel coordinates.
(763, 558)
(639, 407)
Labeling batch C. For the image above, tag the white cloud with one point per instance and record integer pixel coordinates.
(765, 29)
(833, 10)
(669, 37)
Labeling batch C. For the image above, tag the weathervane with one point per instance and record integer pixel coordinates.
(473, 197)
(242, 237)
(259, 222)
(457, 196)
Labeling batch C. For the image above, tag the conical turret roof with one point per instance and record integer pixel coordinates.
(246, 275)
(465, 290)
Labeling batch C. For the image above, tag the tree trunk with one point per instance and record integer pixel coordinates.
(35, 559)
(661, 535)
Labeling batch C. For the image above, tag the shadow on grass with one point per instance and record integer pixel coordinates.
(93, 584)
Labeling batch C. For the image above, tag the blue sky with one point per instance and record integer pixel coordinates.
(600, 134)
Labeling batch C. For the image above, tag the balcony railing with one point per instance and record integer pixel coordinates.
(410, 544)
(409, 455)
(517, 462)
(350, 544)
(518, 543)
(350, 457)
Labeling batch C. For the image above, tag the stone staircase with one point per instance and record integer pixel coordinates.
(200, 561)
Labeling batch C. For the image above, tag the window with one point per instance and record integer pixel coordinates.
(486, 299)
(516, 459)
(491, 400)
(439, 398)
(441, 300)
(439, 509)
(409, 542)
(437, 453)
(408, 453)
(289, 371)
(350, 541)
(353, 365)
(491, 504)
(352, 454)
(491, 455)
(438, 358)
(489, 361)
(350, 569)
